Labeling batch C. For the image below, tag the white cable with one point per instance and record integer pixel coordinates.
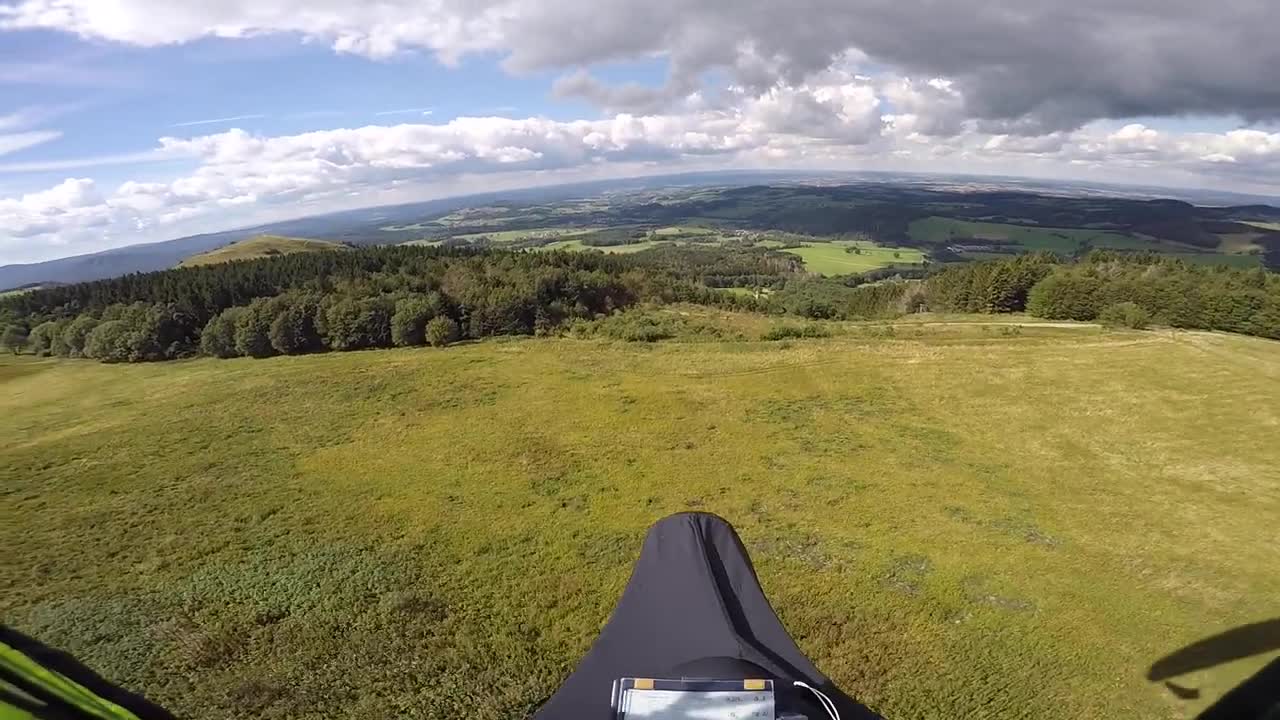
(825, 701)
(827, 705)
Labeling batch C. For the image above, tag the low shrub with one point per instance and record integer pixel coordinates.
(1125, 314)
(783, 332)
(441, 331)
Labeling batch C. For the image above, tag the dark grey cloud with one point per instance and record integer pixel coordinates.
(1047, 64)
(1037, 64)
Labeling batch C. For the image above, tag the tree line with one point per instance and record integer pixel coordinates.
(405, 295)
(1125, 288)
(365, 298)
(373, 297)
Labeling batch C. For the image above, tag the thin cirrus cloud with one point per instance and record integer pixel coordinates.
(17, 119)
(218, 121)
(405, 111)
(13, 142)
(16, 129)
(78, 163)
(78, 71)
(310, 114)
(33, 116)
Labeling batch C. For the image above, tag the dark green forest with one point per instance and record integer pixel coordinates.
(371, 297)
(1108, 286)
(405, 296)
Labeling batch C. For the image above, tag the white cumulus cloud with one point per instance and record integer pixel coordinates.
(836, 124)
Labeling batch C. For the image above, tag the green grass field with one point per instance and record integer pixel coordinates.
(832, 259)
(1239, 261)
(953, 520)
(1239, 243)
(259, 247)
(1062, 240)
(576, 245)
(1266, 226)
(679, 230)
(744, 292)
(513, 235)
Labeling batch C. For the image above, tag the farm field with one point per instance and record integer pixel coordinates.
(1239, 243)
(954, 516)
(833, 258)
(512, 235)
(576, 245)
(679, 230)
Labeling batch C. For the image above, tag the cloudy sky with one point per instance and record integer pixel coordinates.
(124, 121)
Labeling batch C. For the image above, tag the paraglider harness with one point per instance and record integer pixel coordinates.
(694, 636)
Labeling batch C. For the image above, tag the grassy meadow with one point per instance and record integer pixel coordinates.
(832, 258)
(954, 519)
(578, 246)
(501, 236)
(260, 246)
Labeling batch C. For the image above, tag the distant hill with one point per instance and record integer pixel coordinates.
(113, 263)
(357, 227)
(29, 287)
(259, 247)
(1095, 206)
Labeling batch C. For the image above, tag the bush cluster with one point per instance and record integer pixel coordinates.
(1132, 290)
(784, 332)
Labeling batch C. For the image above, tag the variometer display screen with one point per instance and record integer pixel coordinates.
(644, 699)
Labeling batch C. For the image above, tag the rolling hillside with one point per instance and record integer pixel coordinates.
(878, 205)
(28, 288)
(259, 247)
